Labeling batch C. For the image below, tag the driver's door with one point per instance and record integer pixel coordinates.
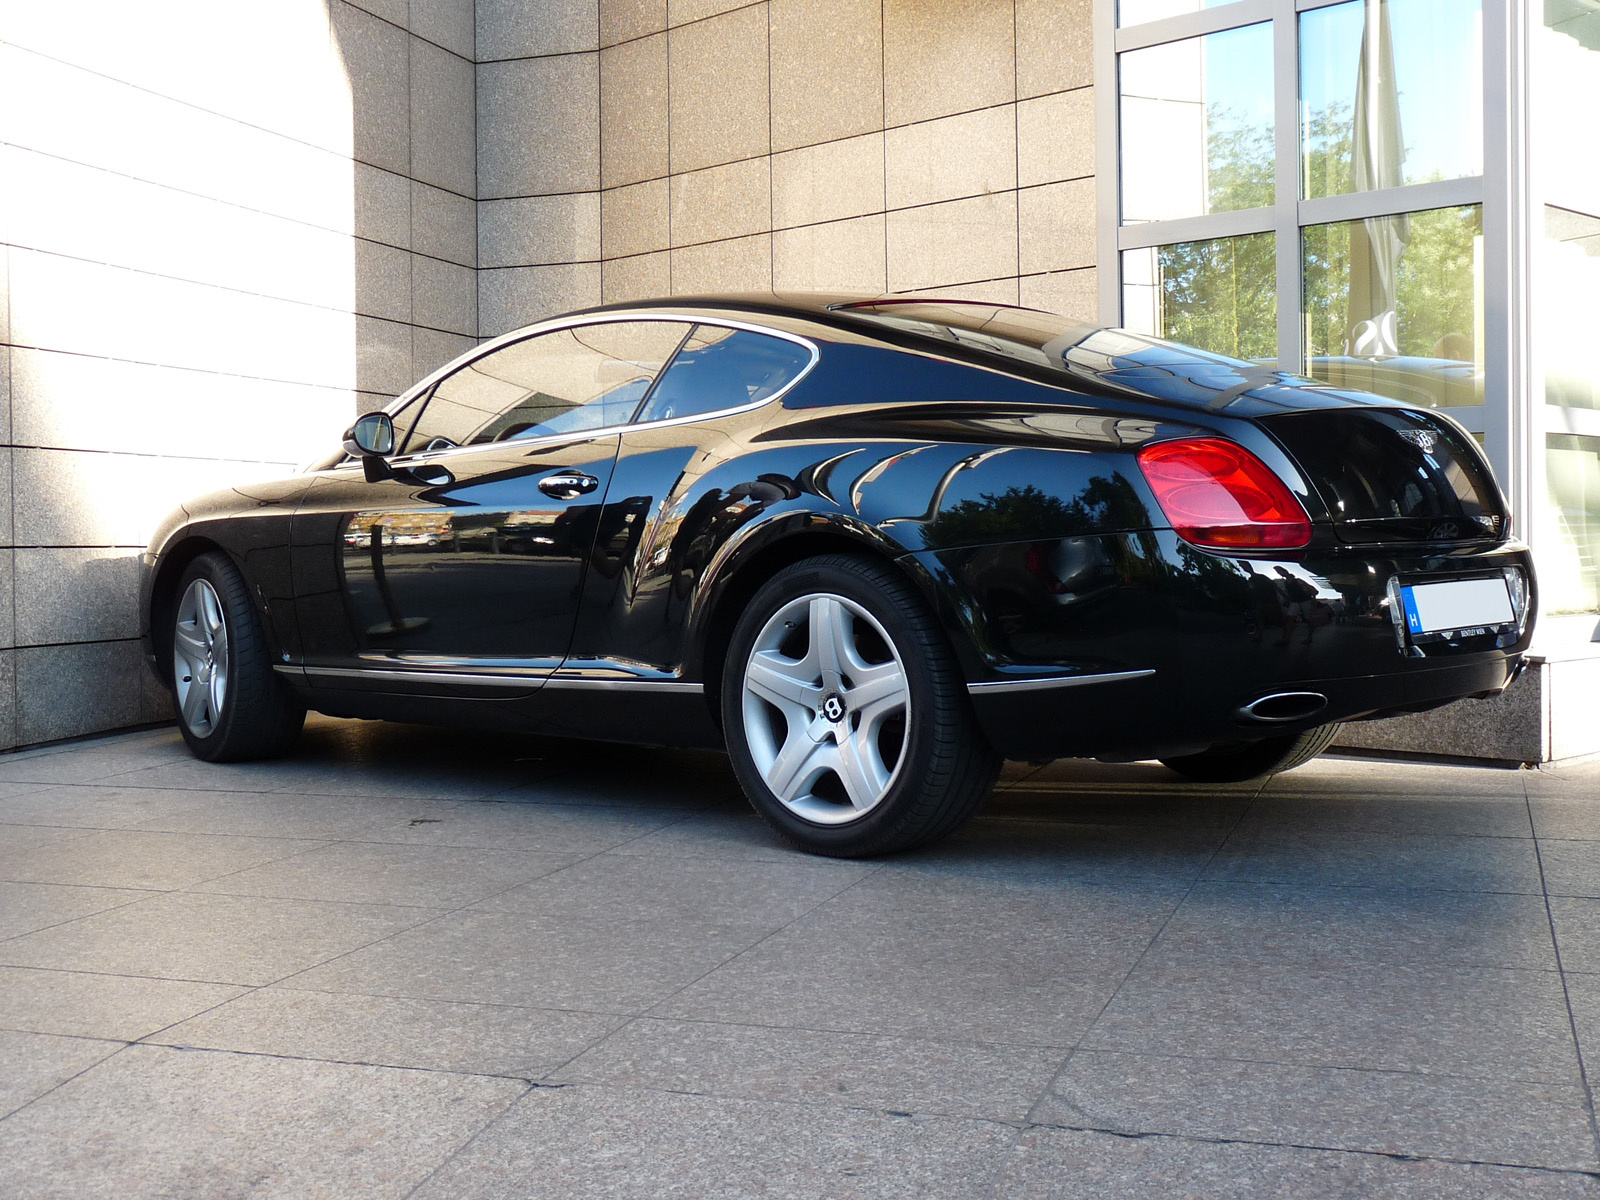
(470, 560)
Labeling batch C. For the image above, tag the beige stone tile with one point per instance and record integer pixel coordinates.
(1055, 45)
(383, 356)
(516, 296)
(71, 594)
(383, 281)
(432, 348)
(450, 23)
(681, 12)
(1071, 293)
(642, 277)
(828, 182)
(68, 691)
(722, 202)
(973, 154)
(946, 58)
(374, 54)
(719, 90)
(827, 70)
(960, 241)
(538, 126)
(845, 256)
(740, 265)
(623, 20)
(539, 230)
(633, 111)
(1057, 226)
(383, 205)
(444, 225)
(1055, 137)
(991, 291)
(443, 296)
(634, 220)
(517, 29)
(443, 125)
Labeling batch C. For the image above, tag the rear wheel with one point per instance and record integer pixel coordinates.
(847, 719)
(229, 703)
(1252, 760)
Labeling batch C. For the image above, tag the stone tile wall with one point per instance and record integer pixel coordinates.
(223, 229)
(630, 148)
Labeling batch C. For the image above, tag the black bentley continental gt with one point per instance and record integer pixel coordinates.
(870, 546)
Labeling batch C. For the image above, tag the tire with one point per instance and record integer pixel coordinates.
(229, 704)
(1253, 760)
(846, 717)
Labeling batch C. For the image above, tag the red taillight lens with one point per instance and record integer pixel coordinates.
(1217, 494)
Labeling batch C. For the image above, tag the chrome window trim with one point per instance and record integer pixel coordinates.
(556, 325)
(993, 686)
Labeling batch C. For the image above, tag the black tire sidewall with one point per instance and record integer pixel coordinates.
(928, 669)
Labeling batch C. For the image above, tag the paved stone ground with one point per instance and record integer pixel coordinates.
(414, 963)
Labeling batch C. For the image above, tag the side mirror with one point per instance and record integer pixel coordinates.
(372, 434)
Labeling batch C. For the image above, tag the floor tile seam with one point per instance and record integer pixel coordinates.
(309, 847)
(121, 1049)
(1116, 990)
(150, 894)
(1393, 1156)
(737, 954)
(142, 828)
(1566, 991)
(1280, 881)
(233, 983)
(837, 1031)
(279, 985)
(439, 915)
(511, 1106)
(192, 1048)
(201, 889)
(1314, 1065)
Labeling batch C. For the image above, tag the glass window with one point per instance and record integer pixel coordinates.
(1391, 93)
(586, 377)
(1566, 84)
(1394, 305)
(1218, 295)
(1566, 308)
(722, 368)
(1135, 12)
(1569, 539)
(1196, 121)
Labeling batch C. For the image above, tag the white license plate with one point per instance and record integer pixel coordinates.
(1459, 604)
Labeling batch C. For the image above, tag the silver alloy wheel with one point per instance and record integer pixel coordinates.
(825, 694)
(200, 658)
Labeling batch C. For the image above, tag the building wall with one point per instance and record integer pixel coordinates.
(631, 148)
(223, 228)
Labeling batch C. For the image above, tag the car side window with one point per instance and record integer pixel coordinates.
(565, 381)
(722, 368)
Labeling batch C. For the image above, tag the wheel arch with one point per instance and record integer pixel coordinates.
(726, 591)
(174, 561)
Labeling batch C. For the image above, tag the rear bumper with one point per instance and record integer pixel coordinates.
(1158, 648)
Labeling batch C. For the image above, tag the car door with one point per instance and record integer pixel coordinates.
(467, 564)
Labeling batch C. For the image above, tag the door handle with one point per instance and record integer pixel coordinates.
(568, 485)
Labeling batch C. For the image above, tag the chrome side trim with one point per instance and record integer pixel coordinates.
(1063, 681)
(525, 679)
(625, 685)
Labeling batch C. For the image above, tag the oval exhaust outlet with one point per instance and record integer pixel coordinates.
(1284, 706)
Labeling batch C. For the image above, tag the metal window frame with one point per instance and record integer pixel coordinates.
(1510, 420)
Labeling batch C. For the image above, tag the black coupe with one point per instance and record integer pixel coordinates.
(871, 546)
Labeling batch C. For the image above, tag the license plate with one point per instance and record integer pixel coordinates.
(1459, 604)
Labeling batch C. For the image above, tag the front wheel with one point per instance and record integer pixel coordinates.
(1253, 760)
(847, 718)
(230, 705)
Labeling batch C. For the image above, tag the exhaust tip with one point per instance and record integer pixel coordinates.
(1284, 706)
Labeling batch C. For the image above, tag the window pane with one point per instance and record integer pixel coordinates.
(1566, 81)
(1219, 295)
(1196, 119)
(587, 377)
(1134, 12)
(1394, 305)
(1391, 92)
(1566, 308)
(1569, 537)
(722, 368)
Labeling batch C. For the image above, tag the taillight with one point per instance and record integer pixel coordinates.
(1217, 494)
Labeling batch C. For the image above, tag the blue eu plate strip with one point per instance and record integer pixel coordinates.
(1413, 619)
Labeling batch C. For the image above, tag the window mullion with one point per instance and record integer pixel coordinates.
(1286, 139)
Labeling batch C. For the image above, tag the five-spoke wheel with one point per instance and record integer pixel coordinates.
(230, 705)
(846, 717)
